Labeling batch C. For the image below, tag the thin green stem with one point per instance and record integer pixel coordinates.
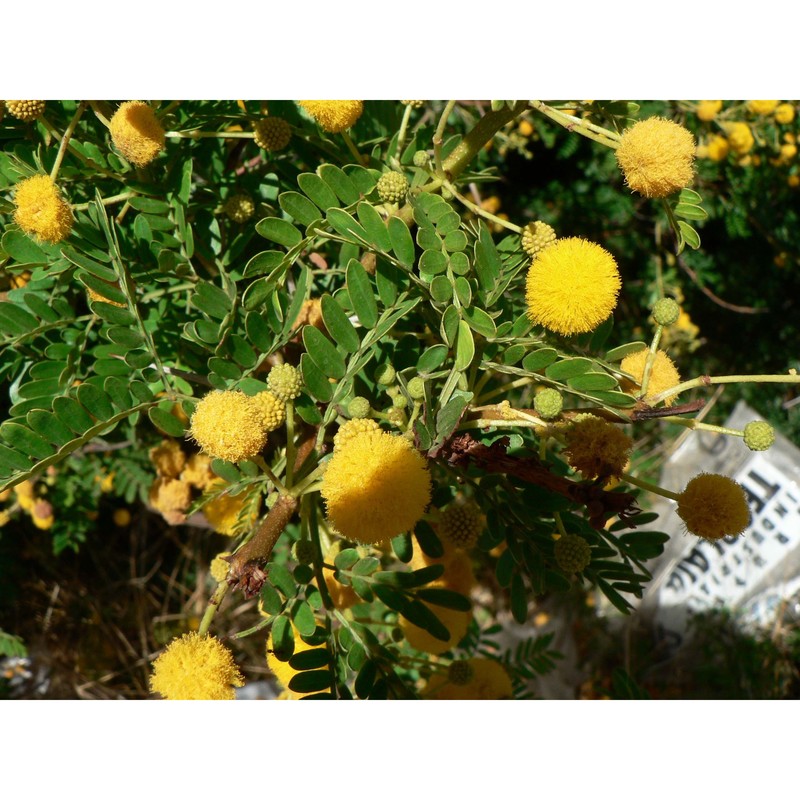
(506, 387)
(588, 129)
(82, 158)
(651, 487)
(210, 135)
(502, 423)
(559, 523)
(213, 605)
(62, 148)
(481, 212)
(696, 425)
(95, 106)
(266, 469)
(438, 138)
(310, 506)
(106, 201)
(351, 146)
(307, 484)
(707, 380)
(651, 358)
(291, 447)
(401, 136)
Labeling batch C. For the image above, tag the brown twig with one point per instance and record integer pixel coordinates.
(714, 298)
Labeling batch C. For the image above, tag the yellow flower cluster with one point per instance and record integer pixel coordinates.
(226, 513)
(596, 448)
(708, 109)
(656, 156)
(26, 110)
(196, 667)
(663, 374)
(137, 133)
(229, 425)
(572, 286)
(375, 487)
(272, 133)
(713, 506)
(334, 116)
(41, 211)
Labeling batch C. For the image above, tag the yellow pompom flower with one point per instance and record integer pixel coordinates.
(121, 517)
(196, 667)
(656, 156)
(708, 109)
(334, 116)
(488, 681)
(228, 425)
(26, 110)
(25, 495)
(376, 487)
(168, 458)
(597, 449)
(137, 133)
(784, 113)
(171, 498)
(219, 567)
(740, 137)
(713, 506)
(198, 472)
(572, 286)
(663, 375)
(762, 106)
(42, 515)
(717, 148)
(41, 211)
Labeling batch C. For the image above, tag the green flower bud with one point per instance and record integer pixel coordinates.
(285, 382)
(548, 403)
(385, 375)
(460, 673)
(759, 435)
(422, 158)
(573, 553)
(359, 408)
(396, 416)
(392, 187)
(462, 523)
(447, 194)
(399, 401)
(303, 551)
(416, 388)
(666, 311)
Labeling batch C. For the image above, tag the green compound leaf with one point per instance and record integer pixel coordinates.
(417, 613)
(339, 326)
(480, 322)
(166, 422)
(346, 558)
(690, 236)
(568, 368)
(690, 212)
(282, 639)
(299, 207)
(342, 185)
(445, 598)
(465, 347)
(303, 618)
(618, 353)
(375, 227)
(345, 224)
(324, 353)
(25, 440)
(271, 601)
(362, 297)
(402, 243)
(310, 659)
(48, 425)
(317, 190)
(432, 359)
(592, 381)
(539, 359)
(280, 231)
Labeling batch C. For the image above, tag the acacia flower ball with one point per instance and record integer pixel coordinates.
(462, 523)
(740, 137)
(334, 116)
(272, 133)
(137, 133)
(713, 506)
(656, 156)
(41, 211)
(597, 449)
(196, 667)
(762, 106)
(26, 110)
(285, 382)
(663, 374)
(708, 109)
(784, 113)
(572, 286)
(375, 487)
(229, 425)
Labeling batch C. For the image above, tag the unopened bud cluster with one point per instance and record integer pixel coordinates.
(392, 187)
(572, 553)
(536, 236)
